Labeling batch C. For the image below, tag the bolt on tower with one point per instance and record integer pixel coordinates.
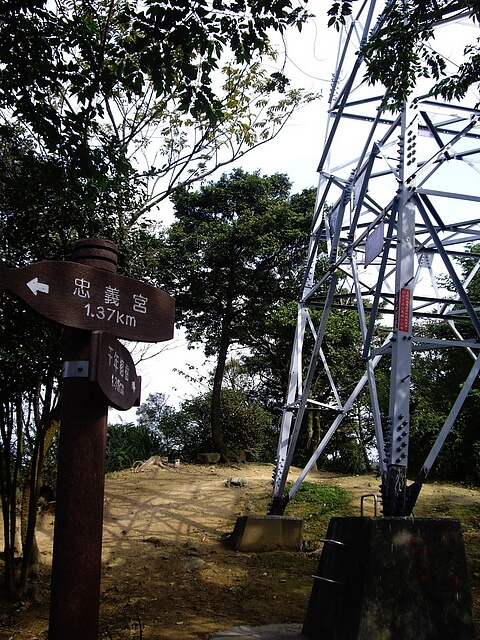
(398, 205)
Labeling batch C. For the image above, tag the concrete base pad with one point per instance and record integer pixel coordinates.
(391, 579)
(270, 632)
(267, 533)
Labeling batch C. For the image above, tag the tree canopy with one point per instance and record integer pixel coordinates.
(106, 108)
(91, 52)
(402, 48)
(233, 255)
(93, 83)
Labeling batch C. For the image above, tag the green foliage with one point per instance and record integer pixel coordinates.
(266, 361)
(394, 52)
(346, 452)
(317, 504)
(83, 88)
(45, 205)
(403, 48)
(157, 416)
(437, 378)
(92, 82)
(101, 49)
(324, 497)
(187, 431)
(337, 13)
(154, 410)
(246, 425)
(235, 252)
(468, 74)
(192, 428)
(128, 443)
(233, 259)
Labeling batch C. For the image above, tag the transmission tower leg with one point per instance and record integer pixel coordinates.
(394, 481)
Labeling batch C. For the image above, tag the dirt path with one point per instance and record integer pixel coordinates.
(167, 573)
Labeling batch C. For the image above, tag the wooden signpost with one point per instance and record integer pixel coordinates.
(84, 297)
(112, 368)
(97, 306)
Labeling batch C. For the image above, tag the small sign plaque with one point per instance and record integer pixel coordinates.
(112, 367)
(403, 311)
(84, 297)
(374, 244)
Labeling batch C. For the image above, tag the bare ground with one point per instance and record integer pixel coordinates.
(167, 572)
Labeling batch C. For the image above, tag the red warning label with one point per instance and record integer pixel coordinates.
(404, 305)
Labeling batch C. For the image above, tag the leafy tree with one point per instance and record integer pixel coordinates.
(30, 351)
(183, 432)
(84, 85)
(91, 53)
(157, 415)
(246, 425)
(437, 378)
(234, 254)
(269, 347)
(94, 82)
(348, 449)
(189, 430)
(403, 47)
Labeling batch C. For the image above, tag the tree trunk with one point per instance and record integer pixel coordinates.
(46, 426)
(9, 513)
(364, 441)
(215, 415)
(12, 420)
(215, 411)
(313, 433)
(30, 552)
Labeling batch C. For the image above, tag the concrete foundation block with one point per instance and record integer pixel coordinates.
(391, 579)
(267, 533)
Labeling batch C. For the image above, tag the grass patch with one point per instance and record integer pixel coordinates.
(316, 504)
(328, 498)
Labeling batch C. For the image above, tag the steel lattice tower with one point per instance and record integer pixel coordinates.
(398, 203)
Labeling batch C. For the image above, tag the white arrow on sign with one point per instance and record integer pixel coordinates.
(37, 287)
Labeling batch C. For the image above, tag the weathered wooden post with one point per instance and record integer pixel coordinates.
(97, 306)
(75, 591)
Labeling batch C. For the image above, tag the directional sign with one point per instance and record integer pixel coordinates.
(84, 297)
(112, 367)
